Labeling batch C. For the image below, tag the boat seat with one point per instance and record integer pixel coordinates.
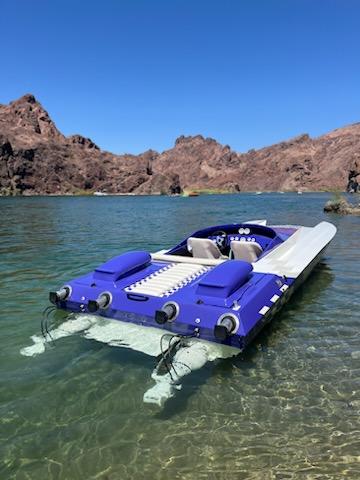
(247, 251)
(203, 248)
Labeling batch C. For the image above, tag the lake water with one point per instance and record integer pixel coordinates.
(287, 408)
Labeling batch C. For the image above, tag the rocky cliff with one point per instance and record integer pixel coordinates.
(35, 158)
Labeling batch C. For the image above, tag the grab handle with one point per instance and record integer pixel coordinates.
(137, 298)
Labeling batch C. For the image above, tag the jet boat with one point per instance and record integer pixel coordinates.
(221, 284)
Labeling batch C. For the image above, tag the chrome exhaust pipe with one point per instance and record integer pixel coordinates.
(168, 312)
(226, 326)
(60, 295)
(103, 301)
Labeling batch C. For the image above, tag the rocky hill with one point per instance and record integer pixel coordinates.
(35, 158)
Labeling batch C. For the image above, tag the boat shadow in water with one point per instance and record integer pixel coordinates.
(278, 331)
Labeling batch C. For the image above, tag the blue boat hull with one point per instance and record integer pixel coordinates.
(226, 302)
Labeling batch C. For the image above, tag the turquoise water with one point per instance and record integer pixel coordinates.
(287, 408)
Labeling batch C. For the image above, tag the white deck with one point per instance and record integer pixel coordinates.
(297, 252)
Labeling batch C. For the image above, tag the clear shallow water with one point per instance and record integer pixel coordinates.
(287, 408)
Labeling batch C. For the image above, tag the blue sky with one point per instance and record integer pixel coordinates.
(136, 74)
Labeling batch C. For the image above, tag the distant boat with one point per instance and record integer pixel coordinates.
(100, 194)
(258, 193)
(193, 194)
(300, 192)
(281, 192)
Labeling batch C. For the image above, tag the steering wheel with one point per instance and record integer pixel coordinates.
(220, 239)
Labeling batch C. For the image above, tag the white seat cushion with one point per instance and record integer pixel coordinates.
(248, 251)
(203, 248)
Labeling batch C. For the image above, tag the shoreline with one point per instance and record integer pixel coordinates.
(199, 193)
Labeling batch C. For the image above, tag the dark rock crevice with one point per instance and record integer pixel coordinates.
(353, 183)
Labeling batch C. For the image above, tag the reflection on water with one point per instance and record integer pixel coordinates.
(288, 407)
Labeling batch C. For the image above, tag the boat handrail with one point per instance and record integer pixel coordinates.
(180, 259)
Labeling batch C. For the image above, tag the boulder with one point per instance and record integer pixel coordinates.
(341, 206)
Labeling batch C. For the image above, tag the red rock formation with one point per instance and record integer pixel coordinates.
(36, 158)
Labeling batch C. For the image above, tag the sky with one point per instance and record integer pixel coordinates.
(136, 74)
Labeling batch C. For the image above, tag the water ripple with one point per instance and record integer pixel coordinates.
(287, 408)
